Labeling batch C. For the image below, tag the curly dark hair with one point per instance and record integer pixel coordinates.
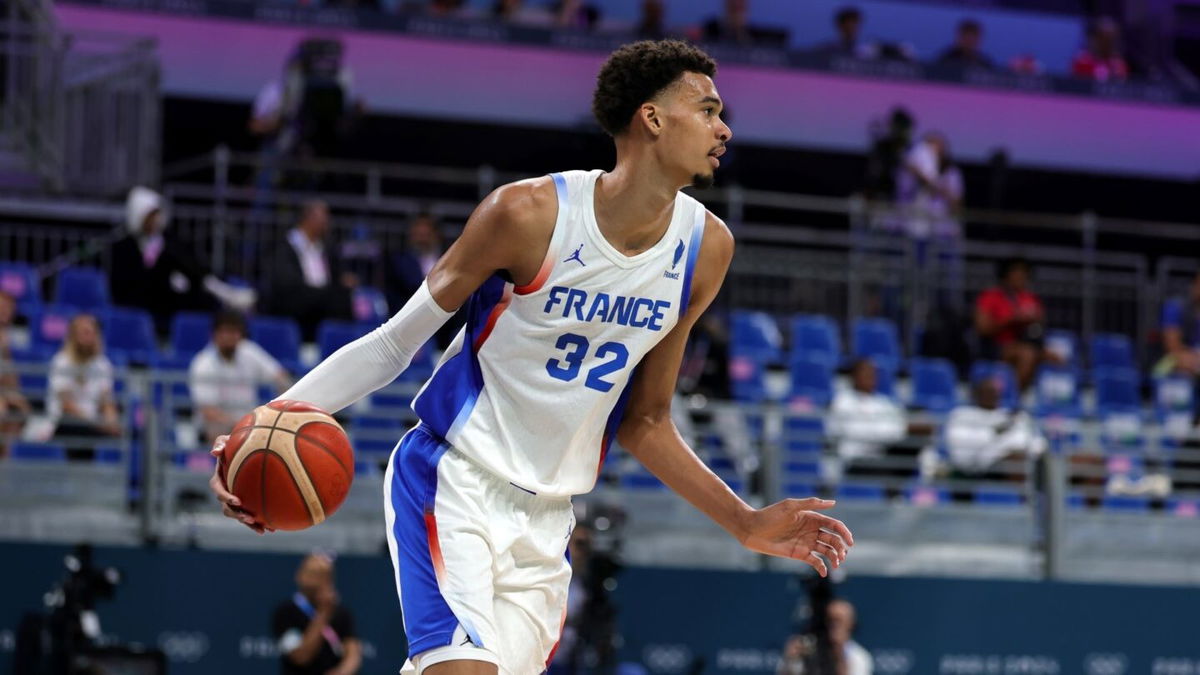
(637, 72)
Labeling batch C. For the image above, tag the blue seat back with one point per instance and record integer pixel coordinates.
(130, 332)
(85, 288)
(1065, 345)
(332, 335)
(190, 333)
(878, 340)
(1117, 390)
(1057, 391)
(812, 383)
(279, 336)
(934, 385)
(755, 334)
(20, 281)
(1111, 350)
(815, 337)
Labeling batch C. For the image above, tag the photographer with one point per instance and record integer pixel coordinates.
(1010, 321)
(316, 634)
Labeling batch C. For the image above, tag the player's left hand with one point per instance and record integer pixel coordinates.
(791, 529)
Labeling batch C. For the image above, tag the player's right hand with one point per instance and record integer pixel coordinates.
(231, 506)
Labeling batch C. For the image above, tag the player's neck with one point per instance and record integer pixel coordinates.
(633, 206)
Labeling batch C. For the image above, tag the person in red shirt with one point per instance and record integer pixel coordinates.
(1009, 318)
(1101, 60)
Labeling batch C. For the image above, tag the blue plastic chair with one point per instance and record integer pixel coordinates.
(1065, 344)
(130, 332)
(756, 335)
(878, 340)
(815, 337)
(863, 492)
(280, 337)
(84, 288)
(1174, 394)
(812, 382)
(38, 452)
(190, 333)
(1117, 390)
(1002, 497)
(1057, 390)
(332, 335)
(1001, 373)
(48, 328)
(934, 385)
(1126, 503)
(20, 281)
(1111, 350)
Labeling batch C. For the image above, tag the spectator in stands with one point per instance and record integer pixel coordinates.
(14, 408)
(966, 50)
(1010, 321)
(869, 427)
(847, 21)
(930, 189)
(224, 377)
(81, 398)
(315, 632)
(409, 268)
(733, 27)
(652, 25)
(1181, 334)
(517, 12)
(445, 8)
(850, 658)
(305, 281)
(155, 272)
(1101, 60)
(794, 659)
(982, 435)
(889, 147)
(575, 15)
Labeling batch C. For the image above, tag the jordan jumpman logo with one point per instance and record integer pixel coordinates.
(575, 256)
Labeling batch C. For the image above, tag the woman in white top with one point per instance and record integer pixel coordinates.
(81, 383)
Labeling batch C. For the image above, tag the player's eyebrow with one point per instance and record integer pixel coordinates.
(713, 99)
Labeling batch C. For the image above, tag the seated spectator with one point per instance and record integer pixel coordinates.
(14, 408)
(1181, 334)
(517, 12)
(869, 427)
(305, 282)
(982, 435)
(408, 269)
(965, 51)
(153, 271)
(848, 24)
(849, 657)
(1101, 59)
(734, 28)
(225, 375)
(1011, 321)
(652, 25)
(81, 400)
(575, 15)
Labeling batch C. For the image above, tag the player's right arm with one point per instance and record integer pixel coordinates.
(508, 232)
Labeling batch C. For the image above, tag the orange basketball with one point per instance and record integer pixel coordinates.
(290, 463)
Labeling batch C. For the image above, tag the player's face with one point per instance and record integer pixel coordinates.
(694, 133)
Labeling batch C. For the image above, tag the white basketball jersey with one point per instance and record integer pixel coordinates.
(534, 386)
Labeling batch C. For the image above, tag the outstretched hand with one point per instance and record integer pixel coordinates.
(231, 506)
(792, 529)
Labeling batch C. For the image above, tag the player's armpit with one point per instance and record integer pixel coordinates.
(510, 230)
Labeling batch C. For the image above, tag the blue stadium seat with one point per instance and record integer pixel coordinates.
(756, 335)
(130, 332)
(38, 452)
(1117, 390)
(1057, 391)
(108, 454)
(421, 366)
(1002, 374)
(815, 338)
(812, 383)
(799, 489)
(84, 288)
(747, 378)
(1126, 503)
(332, 334)
(934, 385)
(1065, 345)
(190, 333)
(863, 492)
(1110, 350)
(20, 281)
(370, 305)
(48, 328)
(993, 496)
(280, 337)
(1174, 394)
(876, 339)
(803, 434)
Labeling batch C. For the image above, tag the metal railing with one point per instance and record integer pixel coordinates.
(81, 109)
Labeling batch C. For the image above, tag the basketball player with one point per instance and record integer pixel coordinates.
(580, 290)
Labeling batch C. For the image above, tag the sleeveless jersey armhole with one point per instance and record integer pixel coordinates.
(560, 190)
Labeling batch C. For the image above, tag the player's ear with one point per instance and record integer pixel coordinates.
(651, 117)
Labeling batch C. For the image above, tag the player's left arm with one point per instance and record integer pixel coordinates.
(790, 528)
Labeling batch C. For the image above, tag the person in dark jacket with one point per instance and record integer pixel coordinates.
(306, 282)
